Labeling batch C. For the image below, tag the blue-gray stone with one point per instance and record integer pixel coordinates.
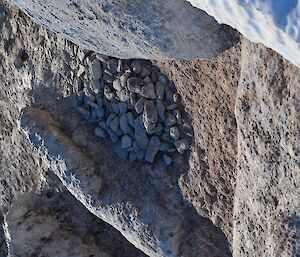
(100, 132)
(122, 153)
(124, 123)
(160, 89)
(96, 69)
(152, 149)
(130, 119)
(167, 159)
(139, 106)
(126, 142)
(148, 91)
(140, 135)
(181, 145)
(175, 133)
(132, 157)
(160, 109)
(134, 85)
(115, 124)
(122, 107)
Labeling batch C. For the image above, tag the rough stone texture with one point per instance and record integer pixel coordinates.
(51, 222)
(237, 192)
(133, 29)
(266, 213)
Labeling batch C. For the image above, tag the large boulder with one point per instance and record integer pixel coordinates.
(150, 29)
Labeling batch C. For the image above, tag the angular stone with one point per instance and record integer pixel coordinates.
(152, 149)
(130, 118)
(123, 95)
(140, 135)
(136, 67)
(124, 123)
(145, 71)
(160, 109)
(181, 145)
(100, 112)
(108, 78)
(120, 66)
(149, 116)
(167, 159)
(117, 85)
(96, 69)
(162, 79)
(80, 71)
(133, 99)
(160, 90)
(139, 106)
(126, 142)
(148, 91)
(175, 133)
(110, 118)
(134, 85)
(170, 119)
(172, 107)
(122, 107)
(100, 132)
(112, 65)
(115, 108)
(123, 79)
(108, 93)
(132, 156)
(115, 124)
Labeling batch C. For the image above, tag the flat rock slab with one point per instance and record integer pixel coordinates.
(125, 29)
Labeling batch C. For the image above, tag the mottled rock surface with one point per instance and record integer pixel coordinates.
(235, 193)
(150, 29)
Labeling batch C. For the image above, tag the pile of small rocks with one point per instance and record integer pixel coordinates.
(134, 105)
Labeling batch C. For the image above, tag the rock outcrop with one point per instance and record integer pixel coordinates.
(235, 192)
(150, 29)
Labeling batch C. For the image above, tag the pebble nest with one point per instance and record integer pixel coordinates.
(134, 105)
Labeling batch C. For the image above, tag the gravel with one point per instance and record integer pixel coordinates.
(134, 105)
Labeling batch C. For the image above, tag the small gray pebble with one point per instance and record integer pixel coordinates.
(175, 133)
(176, 97)
(108, 93)
(108, 72)
(134, 85)
(113, 136)
(170, 119)
(160, 109)
(169, 95)
(115, 108)
(110, 118)
(103, 124)
(152, 149)
(139, 106)
(150, 116)
(145, 72)
(123, 79)
(124, 123)
(122, 107)
(181, 145)
(120, 66)
(148, 91)
(100, 132)
(140, 134)
(126, 142)
(172, 107)
(133, 98)
(108, 78)
(96, 69)
(160, 89)
(136, 67)
(117, 85)
(158, 129)
(112, 65)
(123, 95)
(95, 86)
(80, 71)
(132, 157)
(99, 100)
(130, 118)
(115, 124)
(167, 160)
(100, 113)
(147, 80)
(162, 79)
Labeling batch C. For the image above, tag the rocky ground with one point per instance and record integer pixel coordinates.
(64, 191)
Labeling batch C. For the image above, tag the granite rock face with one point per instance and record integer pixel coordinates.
(133, 29)
(235, 192)
(266, 206)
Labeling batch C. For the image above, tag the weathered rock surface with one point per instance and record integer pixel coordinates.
(237, 191)
(150, 29)
(266, 207)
